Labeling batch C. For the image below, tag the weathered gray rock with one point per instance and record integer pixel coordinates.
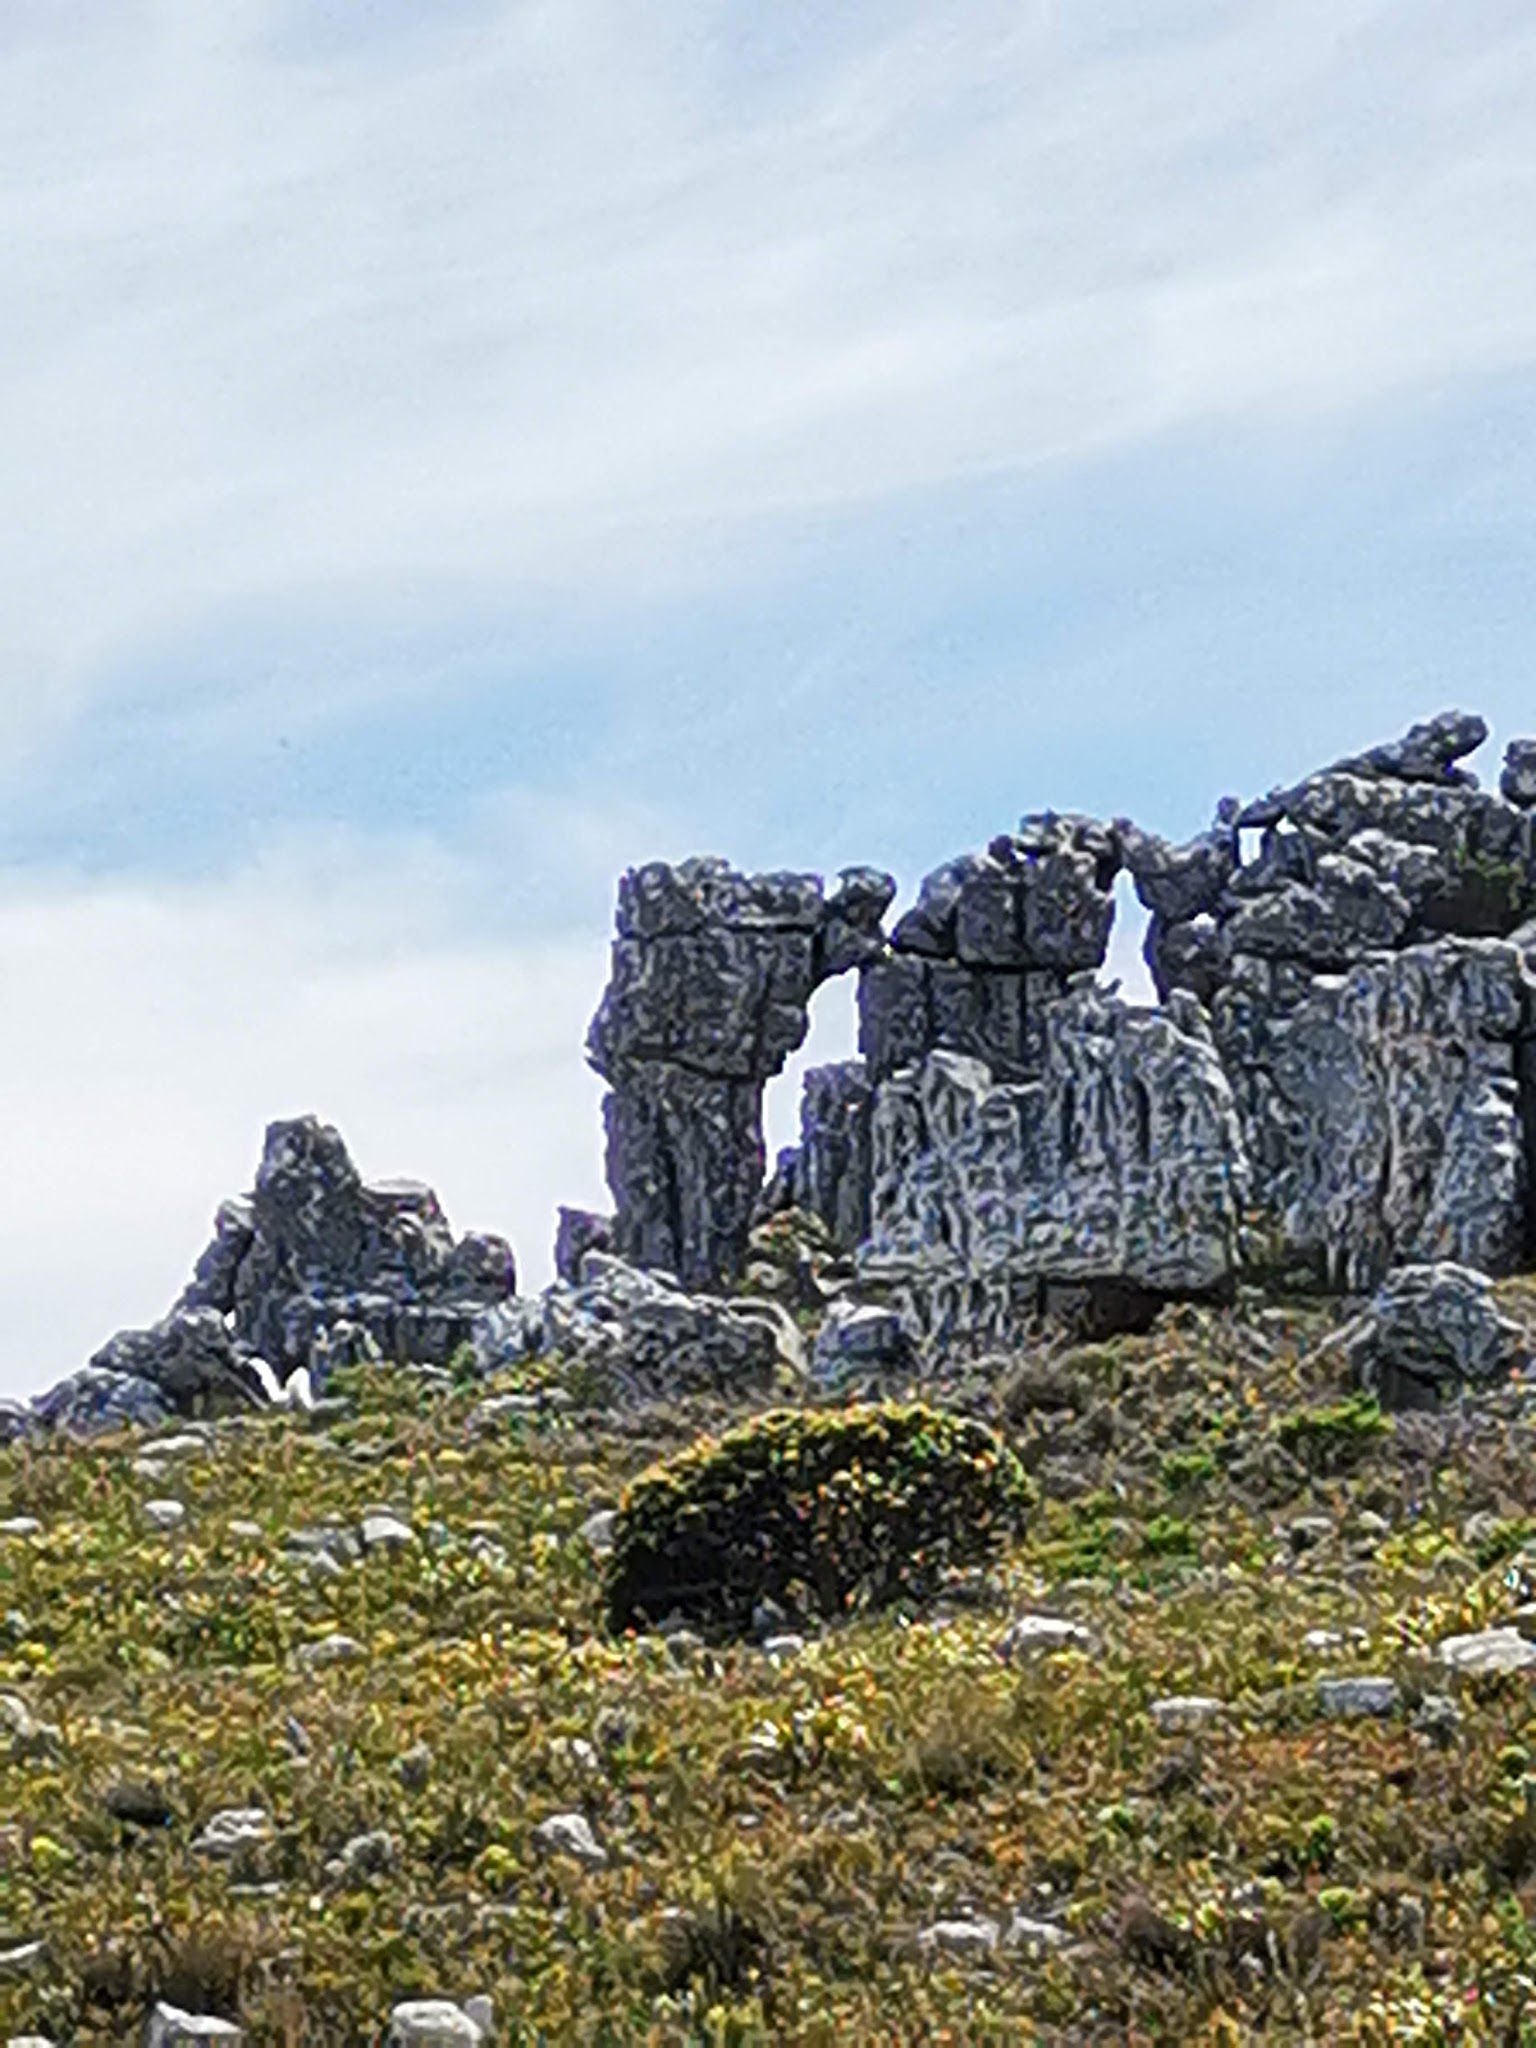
(433, 2023)
(827, 1173)
(578, 1232)
(1349, 1699)
(712, 971)
(191, 1357)
(1489, 1649)
(95, 1400)
(570, 1834)
(1517, 783)
(1387, 1108)
(1123, 1162)
(328, 1247)
(213, 1277)
(1180, 883)
(1429, 1330)
(170, 2027)
(858, 1342)
(317, 1268)
(637, 1331)
(993, 939)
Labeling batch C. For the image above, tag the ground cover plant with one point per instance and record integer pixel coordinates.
(918, 1824)
(825, 1510)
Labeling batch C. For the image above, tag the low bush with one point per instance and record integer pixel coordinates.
(1335, 1437)
(823, 1512)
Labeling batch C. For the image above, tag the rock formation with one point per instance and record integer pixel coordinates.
(1340, 1081)
(993, 939)
(1118, 1163)
(712, 971)
(828, 1173)
(315, 1267)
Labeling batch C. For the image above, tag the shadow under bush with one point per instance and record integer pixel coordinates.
(824, 1512)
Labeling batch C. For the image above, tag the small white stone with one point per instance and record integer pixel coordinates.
(386, 1532)
(1035, 1937)
(232, 1829)
(783, 1649)
(1184, 1711)
(21, 1525)
(165, 1514)
(250, 1531)
(433, 2023)
(1490, 1649)
(481, 2009)
(20, 1956)
(972, 1936)
(570, 1834)
(597, 1531)
(169, 2027)
(1040, 1635)
(332, 1649)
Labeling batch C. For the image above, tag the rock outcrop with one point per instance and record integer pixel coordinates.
(315, 1267)
(712, 971)
(1340, 1081)
(993, 939)
(1119, 1162)
(638, 1333)
(827, 1174)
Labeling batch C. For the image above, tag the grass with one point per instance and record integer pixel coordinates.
(780, 1834)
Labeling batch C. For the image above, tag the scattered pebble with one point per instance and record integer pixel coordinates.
(1037, 1635)
(1490, 1649)
(233, 1829)
(433, 2023)
(386, 1532)
(1183, 1711)
(1347, 1699)
(169, 2027)
(21, 1525)
(332, 1649)
(368, 1855)
(570, 1834)
(974, 1935)
(165, 1514)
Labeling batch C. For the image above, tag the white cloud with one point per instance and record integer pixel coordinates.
(574, 293)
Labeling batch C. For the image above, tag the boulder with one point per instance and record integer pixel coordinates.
(637, 1331)
(857, 1342)
(1517, 783)
(1121, 1162)
(579, 1231)
(1431, 1330)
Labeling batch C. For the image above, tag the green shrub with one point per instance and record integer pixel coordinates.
(1329, 1439)
(827, 1511)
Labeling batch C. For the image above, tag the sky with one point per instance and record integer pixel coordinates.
(449, 454)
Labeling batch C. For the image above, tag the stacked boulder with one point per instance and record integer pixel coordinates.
(1368, 991)
(315, 1267)
(992, 942)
